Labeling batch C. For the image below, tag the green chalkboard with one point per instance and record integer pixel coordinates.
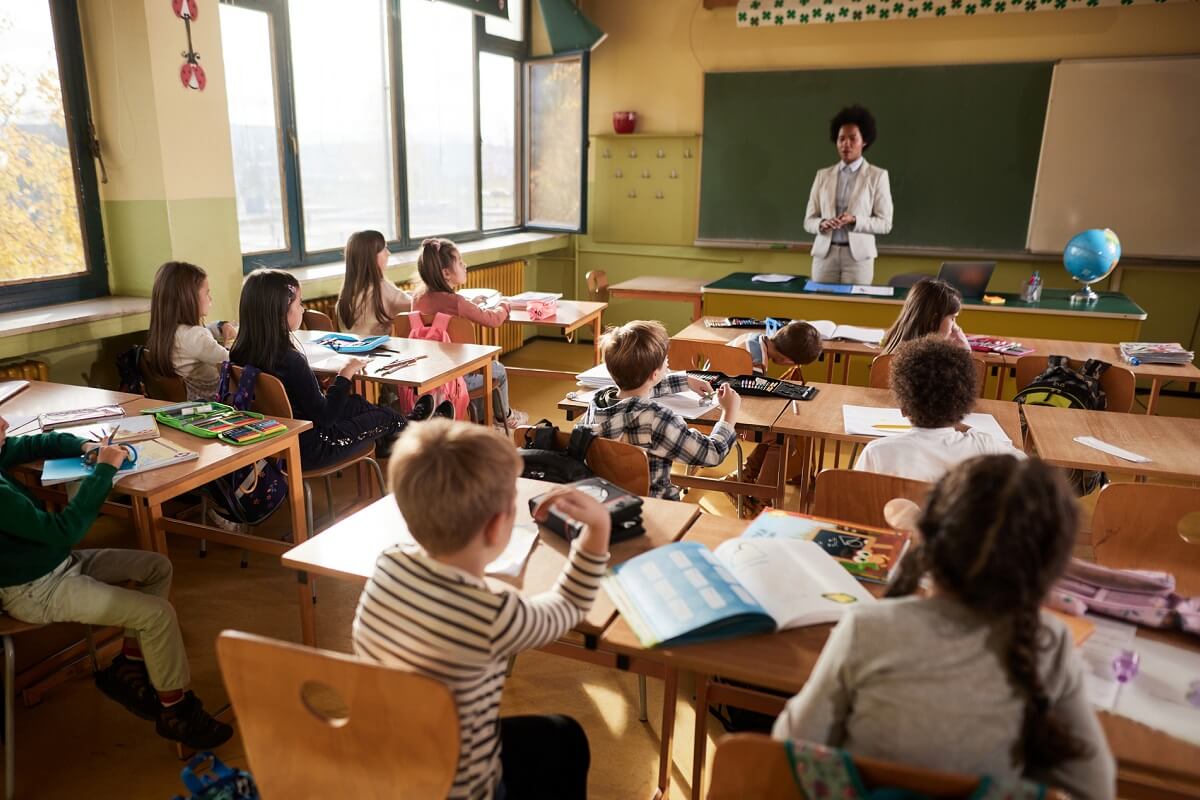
(960, 144)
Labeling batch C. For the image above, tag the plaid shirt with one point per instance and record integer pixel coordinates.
(663, 434)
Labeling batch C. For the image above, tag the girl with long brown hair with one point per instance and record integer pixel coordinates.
(959, 670)
(369, 301)
(178, 345)
(932, 306)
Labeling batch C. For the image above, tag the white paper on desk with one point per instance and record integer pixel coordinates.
(1097, 652)
(596, 377)
(772, 277)
(1111, 449)
(508, 563)
(874, 291)
(686, 403)
(21, 424)
(866, 421)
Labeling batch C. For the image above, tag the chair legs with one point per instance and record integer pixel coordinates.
(642, 698)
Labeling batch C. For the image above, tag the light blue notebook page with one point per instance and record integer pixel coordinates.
(681, 593)
(831, 288)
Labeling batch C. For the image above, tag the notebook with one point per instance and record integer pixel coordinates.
(849, 333)
(78, 416)
(683, 593)
(10, 388)
(151, 454)
(520, 301)
(869, 554)
(849, 288)
(128, 430)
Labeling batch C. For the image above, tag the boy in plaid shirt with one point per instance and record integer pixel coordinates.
(636, 356)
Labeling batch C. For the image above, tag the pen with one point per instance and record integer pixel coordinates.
(887, 427)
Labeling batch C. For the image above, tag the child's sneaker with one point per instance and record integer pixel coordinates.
(188, 723)
(127, 682)
(516, 419)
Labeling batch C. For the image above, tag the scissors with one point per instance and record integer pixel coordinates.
(93, 455)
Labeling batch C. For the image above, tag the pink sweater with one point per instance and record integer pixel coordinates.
(457, 306)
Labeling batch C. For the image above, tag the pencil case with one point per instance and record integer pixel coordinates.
(345, 343)
(211, 420)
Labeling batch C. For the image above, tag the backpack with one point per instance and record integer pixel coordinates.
(456, 390)
(206, 777)
(1062, 386)
(253, 493)
(129, 370)
(544, 461)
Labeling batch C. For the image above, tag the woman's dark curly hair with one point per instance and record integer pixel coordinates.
(854, 115)
(996, 532)
(934, 381)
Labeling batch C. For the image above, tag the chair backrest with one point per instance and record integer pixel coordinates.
(689, 355)
(620, 463)
(270, 398)
(881, 372)
(323, 724)
(859, 497)
(1117, 382)
(1150, 526)
(597, 285)
(317, 321)
(751, 766)
(461, 329)
(172, 389)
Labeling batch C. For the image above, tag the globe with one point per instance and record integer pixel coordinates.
(1089, 257)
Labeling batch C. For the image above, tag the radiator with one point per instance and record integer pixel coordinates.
(507, 277)
(28, 370)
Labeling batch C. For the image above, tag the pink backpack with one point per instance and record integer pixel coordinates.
(1143, 597)
(456, 390)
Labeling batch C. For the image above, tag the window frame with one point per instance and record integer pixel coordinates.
(295, 254)
(72, 74)
(584, 57)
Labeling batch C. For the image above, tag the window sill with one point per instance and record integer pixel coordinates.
(323, 280)
(33, 330)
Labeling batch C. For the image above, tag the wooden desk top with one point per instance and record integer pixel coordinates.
(757, 414)
(440, 362)
(42, 397)
(660, 284)
(1173, 443)
(822, 416)
(1105, 352)
(348, 549)
(571, 314)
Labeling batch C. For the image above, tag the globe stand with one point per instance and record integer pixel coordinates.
(1085, 296)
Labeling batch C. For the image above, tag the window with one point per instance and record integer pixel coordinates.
(51, 246)
(497, 149)
(556, 143)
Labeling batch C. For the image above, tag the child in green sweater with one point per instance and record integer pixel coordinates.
(43, 580)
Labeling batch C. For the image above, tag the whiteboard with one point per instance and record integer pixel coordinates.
(1121, 150)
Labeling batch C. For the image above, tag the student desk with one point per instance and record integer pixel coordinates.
(572, 315)
(1172, 443)
(1114, 318)
(662, 287)
(41, 397)
(348, 550)
(441, 363)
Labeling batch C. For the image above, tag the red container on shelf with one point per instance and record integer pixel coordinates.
(624, 121)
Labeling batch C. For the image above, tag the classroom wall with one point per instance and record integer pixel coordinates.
(656, 54)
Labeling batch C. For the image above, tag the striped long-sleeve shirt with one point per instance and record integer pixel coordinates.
(428, 617)
(663, 434)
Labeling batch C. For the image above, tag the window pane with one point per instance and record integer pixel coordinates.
(40, 233)
(253, 128)
(497, 127)
(555, 143)
(343, 90)
(514, 28)
(439, 116)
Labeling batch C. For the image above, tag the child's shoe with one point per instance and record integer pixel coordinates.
(516, 419)
(127, 682)
(188, 723)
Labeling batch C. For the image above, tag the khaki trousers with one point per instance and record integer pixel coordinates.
(840, 267)
(80, 590)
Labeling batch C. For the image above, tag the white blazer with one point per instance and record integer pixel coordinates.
(870, 203)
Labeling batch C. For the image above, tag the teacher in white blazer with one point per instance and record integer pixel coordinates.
(849, 205)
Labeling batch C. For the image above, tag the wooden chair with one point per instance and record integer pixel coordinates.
(751, 766)
(9, 629)
(688, 355)
(1150, 526)
(321, 724)
(881, 372)
(271, 399)
(460, 329)
(859, 497)
(597, 285)
(1117, 382)
(317, 321)
(170, 389)
(624, 464)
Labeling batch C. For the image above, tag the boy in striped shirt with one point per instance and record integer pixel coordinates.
(430, 610)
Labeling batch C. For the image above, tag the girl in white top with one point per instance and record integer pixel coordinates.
(958, 669)
(936, 385)
(178, 345)
(368, 301)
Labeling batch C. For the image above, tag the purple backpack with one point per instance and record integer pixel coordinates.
(1143, 597)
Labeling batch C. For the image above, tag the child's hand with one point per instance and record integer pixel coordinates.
(957, 336)
(729, 400)
(112, 454)
(581, 508)
(228, 331)
(699, 386)
(352, 368)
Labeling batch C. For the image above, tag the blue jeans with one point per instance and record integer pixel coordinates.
(499, 392)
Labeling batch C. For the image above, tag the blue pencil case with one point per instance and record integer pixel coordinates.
(345, 343)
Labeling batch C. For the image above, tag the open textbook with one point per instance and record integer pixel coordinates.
(849, 333)
(683, 592)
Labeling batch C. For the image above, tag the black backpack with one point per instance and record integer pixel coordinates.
(129, 370)
(1063, 386)
(544, 461)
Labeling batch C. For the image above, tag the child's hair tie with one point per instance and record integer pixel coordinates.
(434, 243)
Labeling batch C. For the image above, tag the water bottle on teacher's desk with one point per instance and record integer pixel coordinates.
(1031, 292)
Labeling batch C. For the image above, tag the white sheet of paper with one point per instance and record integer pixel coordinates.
(772, 277)
(824, 327)
(595, 377)
(853, 333)
(867, 421)
(509, 563)
(1111, 449)
(1157, 695)
(21, 424)
(686, 404)
(874, 291)
(1097, 653)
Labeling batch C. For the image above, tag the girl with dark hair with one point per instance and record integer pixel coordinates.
(442, 271)
(369, 301)
(849, 205)
(178, 345)
(932, 306)
(343, 423)
(967, 675)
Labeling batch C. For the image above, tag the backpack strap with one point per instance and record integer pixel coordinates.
(1058, 361)
(415, 323)
(441, 322)
(581, 441)
(223, 387)
(1094, 367)
(243, 398)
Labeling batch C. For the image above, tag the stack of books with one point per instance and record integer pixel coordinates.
(1155, 353)
(596, 378)
(521, 301)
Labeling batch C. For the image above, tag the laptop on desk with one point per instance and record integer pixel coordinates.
(969, 277)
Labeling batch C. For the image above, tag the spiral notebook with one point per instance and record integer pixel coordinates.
(152, 454)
